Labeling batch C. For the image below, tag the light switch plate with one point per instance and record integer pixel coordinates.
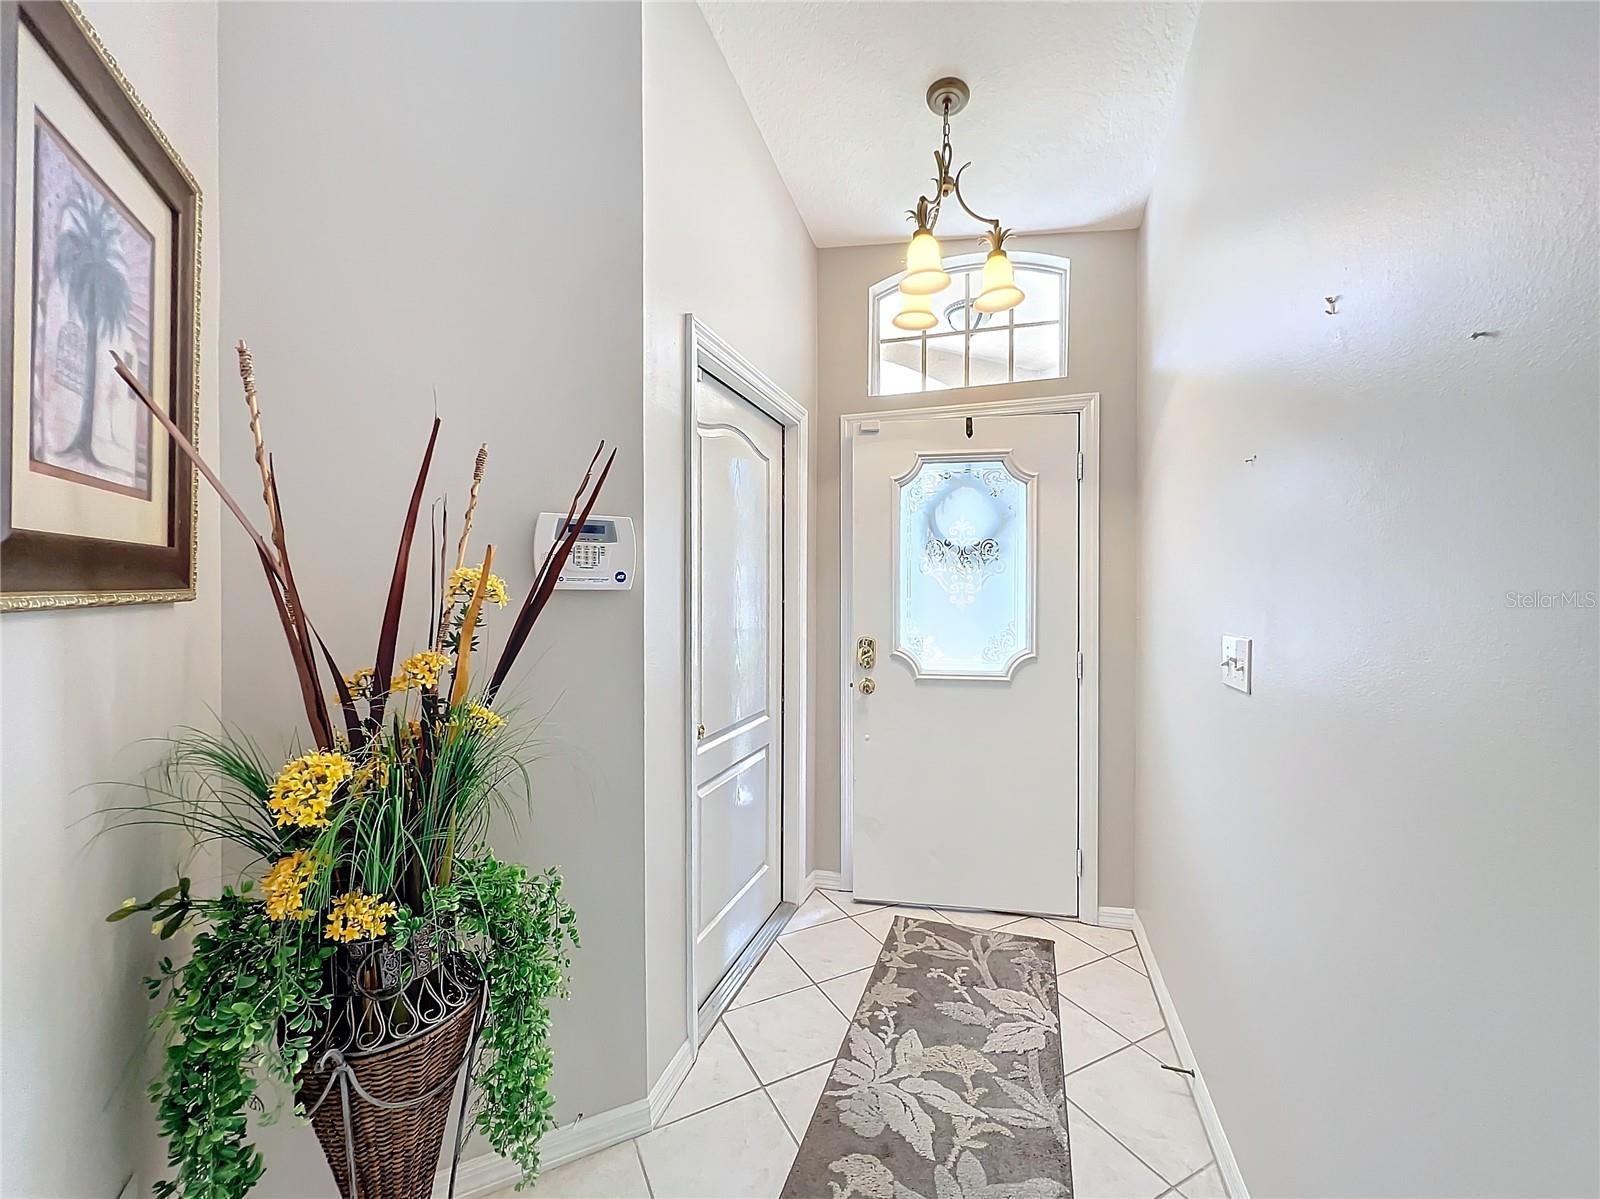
(1236, 663)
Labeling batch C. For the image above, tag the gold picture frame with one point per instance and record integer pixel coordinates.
(97, 505)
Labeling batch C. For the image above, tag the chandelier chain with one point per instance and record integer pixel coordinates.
(925, 274)
(926, 214)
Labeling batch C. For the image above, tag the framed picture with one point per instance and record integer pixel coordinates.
(101, 255)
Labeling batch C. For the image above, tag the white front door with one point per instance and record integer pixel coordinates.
(964, 597)
(738, 667)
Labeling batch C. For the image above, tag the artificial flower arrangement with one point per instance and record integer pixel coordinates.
(371, 925)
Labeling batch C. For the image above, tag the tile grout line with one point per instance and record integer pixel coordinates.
(1060, 998)
(734, 1005)
(645, 1174)
(776, 1111)
(828, 899)
(743, 1056)
(1162, 1178)
(1111, 957)
(1197, 1174)
(850, 1016)
(760, 1086)
(1092, 1016)
(710, 1107)
(1139, 1044)
(833, 919)
(1130, 1044)
(1065, 926)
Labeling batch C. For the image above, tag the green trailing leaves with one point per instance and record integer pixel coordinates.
(246, 980)
(522, 931)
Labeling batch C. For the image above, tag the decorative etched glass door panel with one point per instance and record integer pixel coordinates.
(964, 566)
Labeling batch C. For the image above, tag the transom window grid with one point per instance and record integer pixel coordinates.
(1049, 330)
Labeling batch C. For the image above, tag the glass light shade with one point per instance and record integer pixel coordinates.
(916, 313)
(1000, 290)
(925, 273)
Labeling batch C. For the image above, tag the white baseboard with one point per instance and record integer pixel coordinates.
(482, 1175)
(1116, 918)
(1226, 1163)
(830, 880)
(489, 1172)
(671, 1079)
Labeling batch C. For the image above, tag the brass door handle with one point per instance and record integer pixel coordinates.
(866, 653)
(868, 686)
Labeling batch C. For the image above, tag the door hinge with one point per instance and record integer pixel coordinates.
(1080, 465)
(1080, 863)
(1080, 666)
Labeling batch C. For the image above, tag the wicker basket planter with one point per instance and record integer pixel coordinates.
(381, 1081)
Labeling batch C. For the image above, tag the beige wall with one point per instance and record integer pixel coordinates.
(1371, 884)
(79, 694)
(1100, 353)
(447, 199)
(722, 240)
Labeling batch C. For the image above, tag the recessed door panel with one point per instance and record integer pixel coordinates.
(734, 829)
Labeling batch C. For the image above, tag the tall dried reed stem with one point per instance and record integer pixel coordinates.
(461, 546)
(472, 504)
(247, 372)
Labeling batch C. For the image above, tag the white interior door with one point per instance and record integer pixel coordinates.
(964, 747)
(738, 664)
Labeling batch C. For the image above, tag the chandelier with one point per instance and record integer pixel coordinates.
(925, 274)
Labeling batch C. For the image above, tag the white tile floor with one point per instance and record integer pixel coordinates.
(733, 1128)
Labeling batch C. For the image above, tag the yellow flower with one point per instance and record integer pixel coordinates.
(305, 788)
(374, 772)
(355, 916)
(284, 886)
(420, 671)
(481, 719)
(464, 581)
(360, 683)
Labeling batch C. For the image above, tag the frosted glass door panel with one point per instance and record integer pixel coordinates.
(965, 545)
(736, 487)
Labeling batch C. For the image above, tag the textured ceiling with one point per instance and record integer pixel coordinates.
(1069, 106)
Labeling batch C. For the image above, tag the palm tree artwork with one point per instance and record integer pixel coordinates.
(90, 266)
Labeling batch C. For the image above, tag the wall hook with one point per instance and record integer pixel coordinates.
(1249, 460)
(1484, 333)
(1333, 305)
(969, 428)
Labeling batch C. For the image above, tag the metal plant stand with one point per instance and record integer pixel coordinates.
(403, 1027)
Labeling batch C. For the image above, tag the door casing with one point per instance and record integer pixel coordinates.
(704, 350)
(1087, 406)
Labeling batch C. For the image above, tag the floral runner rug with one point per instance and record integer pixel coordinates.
(950, 1083)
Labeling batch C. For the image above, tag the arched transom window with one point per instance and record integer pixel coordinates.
(969, 348)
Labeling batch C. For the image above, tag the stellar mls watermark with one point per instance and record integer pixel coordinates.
(1552, 599)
